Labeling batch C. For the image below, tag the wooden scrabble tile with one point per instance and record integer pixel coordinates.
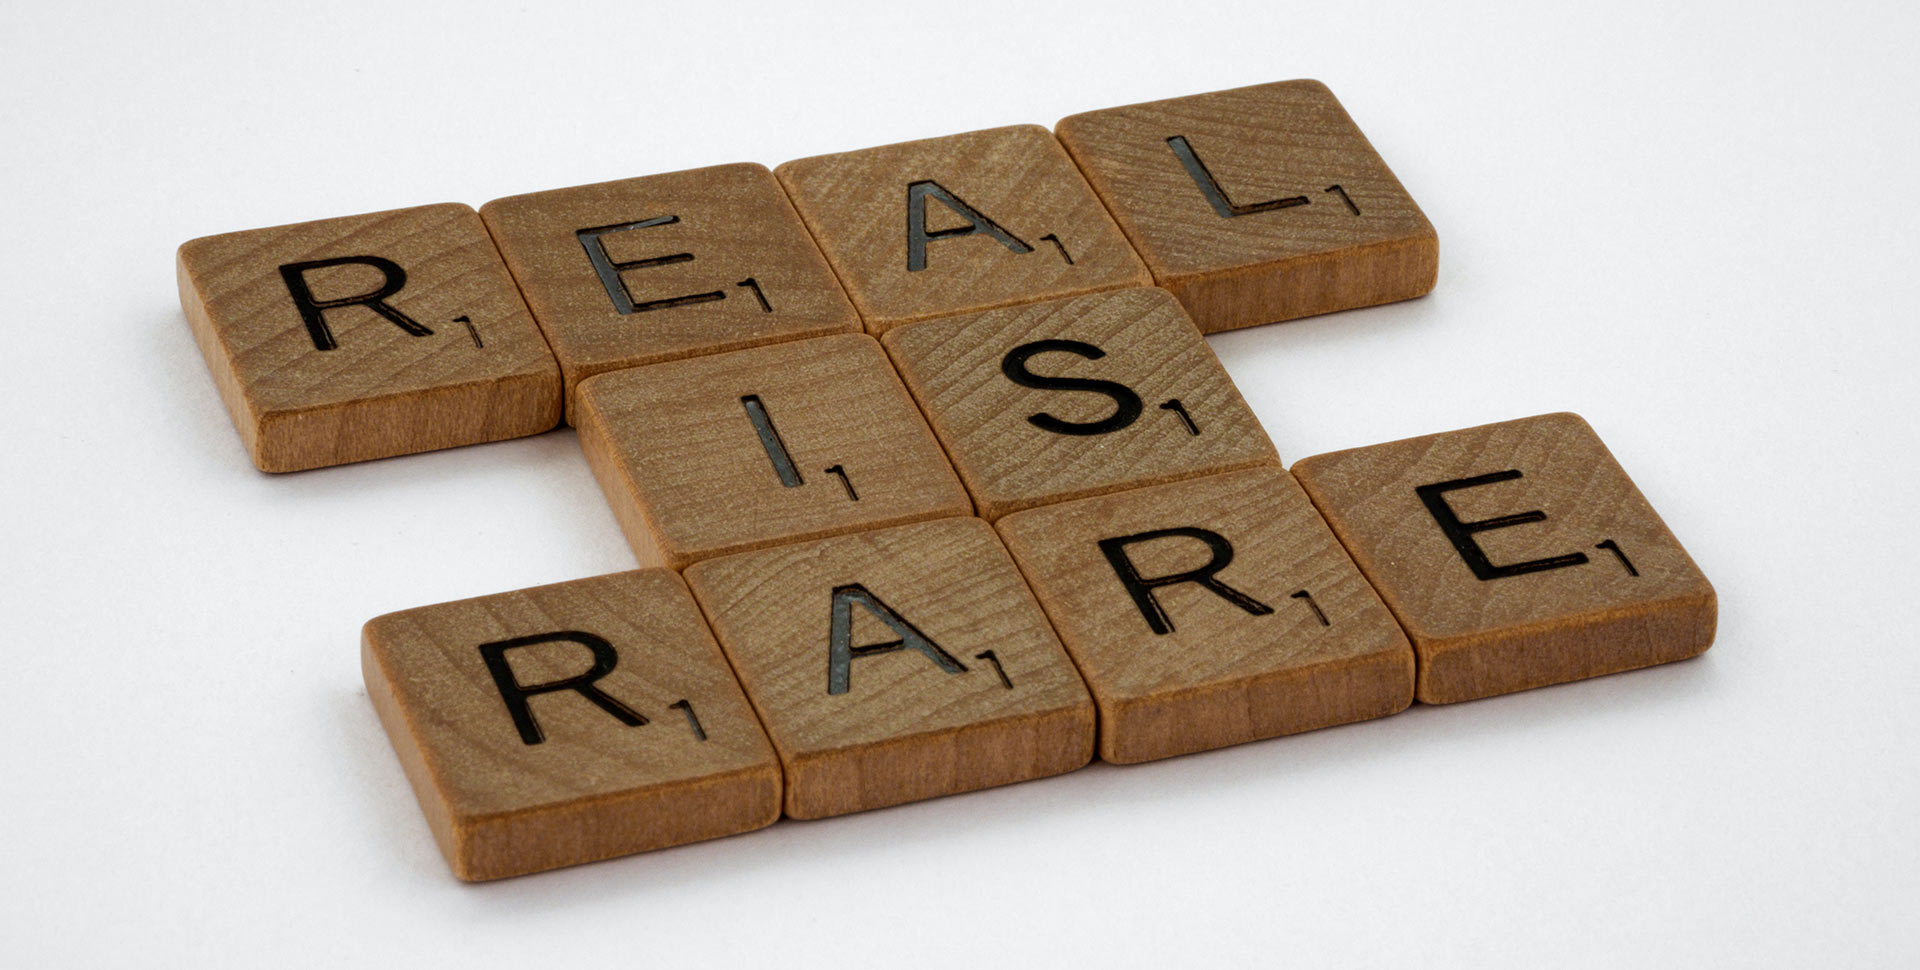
(367, 336)
(1257, 204)
(729, 452)
(1058, 400)
(896, 665)
(1515, 555)
(666, 266)
(1211, 611)
(568, 723)
(965, 222)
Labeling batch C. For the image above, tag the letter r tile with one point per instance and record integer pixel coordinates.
(728, 452)
(367, 336)
(1515, 555)
(1257, 204)
(965, 222)
(1211, 611)
(645, 270)
(896, 665)
(569, 723)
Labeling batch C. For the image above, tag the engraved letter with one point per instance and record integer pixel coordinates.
(1126, 404)
(516, 693)
(1141, 588)
(1217, 196)
(616, 285)
(1461, 533)
(977, 222)
(314, 311)
(840, 649)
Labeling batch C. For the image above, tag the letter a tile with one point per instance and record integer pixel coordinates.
(1257, 204)
(728, 452)
(1210, 612)
(965, 222)
(367, 336)
(569, 723)
(1515, 555)
(899, 664)
(658, 268)
(1068, 398)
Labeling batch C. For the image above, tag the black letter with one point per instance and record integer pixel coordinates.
(609, 271)
(313, 311)
(1141, 588)
(1126, 404)
(1461, 533)
(977, 222)
(1216, 196)
(840, 648)
(516, 694)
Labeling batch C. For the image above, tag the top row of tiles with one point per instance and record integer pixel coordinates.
(1251, 206)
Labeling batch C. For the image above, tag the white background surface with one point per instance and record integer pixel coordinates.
(1695, 225)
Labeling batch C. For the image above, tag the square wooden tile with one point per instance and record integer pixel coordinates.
(1210, 612)
(896, 665)
(1257, 204)
(568, 723)
(367, 336)
(964, 222)
(729, 452)
(1068, 398)
(1515, 555)
(657, 268)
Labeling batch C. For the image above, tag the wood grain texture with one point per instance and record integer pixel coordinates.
(1609, 588)
(903, 728)
(1139, 338)
(858, 205)
(1280, 148)
(592, 787)
(678, 453)
(1292, 638)
(379, 390)
(743, 271)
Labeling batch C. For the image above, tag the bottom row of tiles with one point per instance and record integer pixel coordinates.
(639, 710)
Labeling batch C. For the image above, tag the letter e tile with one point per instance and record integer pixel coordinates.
(1515, 555)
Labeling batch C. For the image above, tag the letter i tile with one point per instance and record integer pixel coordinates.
(569, 723)
(367, 336)
(896, 665)
(1211, 611)
(728, 452)
(1515, 555)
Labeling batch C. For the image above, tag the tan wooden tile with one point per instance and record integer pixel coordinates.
(896, 665)
(1211, 611)
(1068, 398)
(965, 222)
(367, 336)
(1257, 204)
(667, 266)
(1515, 555)
(734, 451)
(568, 723)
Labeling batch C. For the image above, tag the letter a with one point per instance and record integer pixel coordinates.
(841, 651)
